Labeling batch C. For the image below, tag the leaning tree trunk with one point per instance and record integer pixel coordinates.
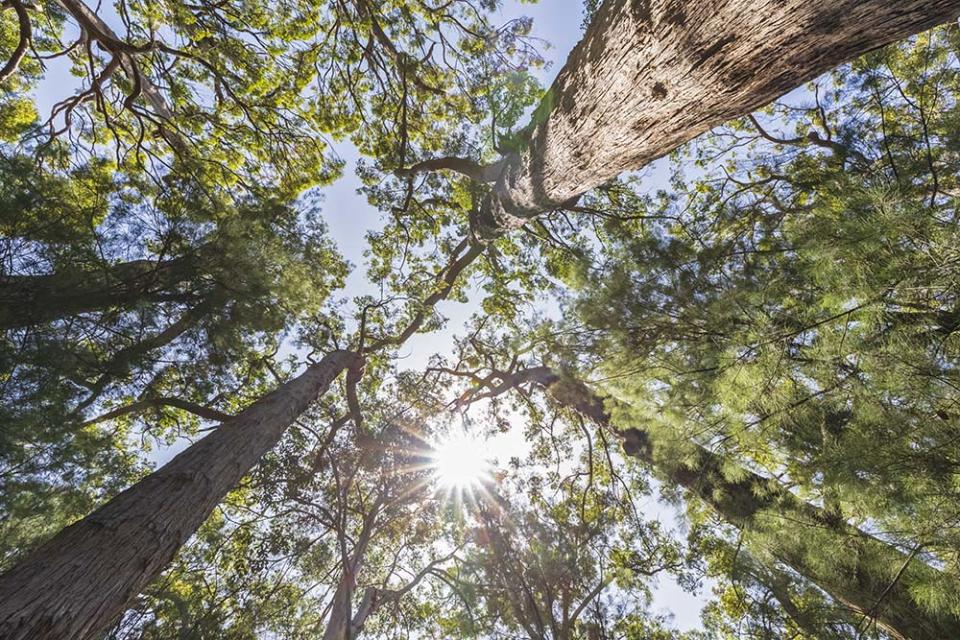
(649, 75)
(31, 300)
(81, 580)
(869, 576)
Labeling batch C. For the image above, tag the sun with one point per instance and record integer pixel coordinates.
(460, 462)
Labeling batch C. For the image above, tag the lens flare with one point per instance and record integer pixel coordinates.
(460, 462)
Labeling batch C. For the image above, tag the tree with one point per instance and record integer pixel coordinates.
(789, 320)
(487, 210)
(250, 95)
(547, 569)
(621, 101)
(180, 334)
(877, 580)
(336, 528)
(97, 551)
(102, 561)
(558, 545)
(758, 600)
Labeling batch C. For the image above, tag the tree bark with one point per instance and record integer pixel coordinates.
(870, 576)
(649, 75)
(81, 580)
(340, 624)
(31, 300)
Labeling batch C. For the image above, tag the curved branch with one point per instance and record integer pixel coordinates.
(139, 406)
(464, 166)
(446, 280)
(840, 150)
(26, 34)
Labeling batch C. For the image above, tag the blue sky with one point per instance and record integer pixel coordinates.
(558, 23)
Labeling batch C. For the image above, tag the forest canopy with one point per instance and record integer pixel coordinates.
(661, 343)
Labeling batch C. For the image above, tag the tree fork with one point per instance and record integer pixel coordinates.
(80, 581)
(649, 75)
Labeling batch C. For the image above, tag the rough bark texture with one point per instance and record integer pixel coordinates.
(650, 75)
(81, 580)
(31, 300)
(880, 583)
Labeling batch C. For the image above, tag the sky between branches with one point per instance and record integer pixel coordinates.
(558, 26)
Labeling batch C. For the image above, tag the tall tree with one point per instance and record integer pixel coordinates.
(863, 33)
(79, 581)
(876, 579)
(778, 306)
(648, 76)
(99, 350)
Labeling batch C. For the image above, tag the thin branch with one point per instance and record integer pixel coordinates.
(139, 406)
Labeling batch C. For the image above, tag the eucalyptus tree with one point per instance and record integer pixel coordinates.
(799, 305)
(558, 569)
(335, 532)
(178, 348)
(250, 94)
(194, 130)
(559, 545)
(788, 535)
(872, 24)
(385, 517)
(649, 76)
(758, 600)
(793, 307)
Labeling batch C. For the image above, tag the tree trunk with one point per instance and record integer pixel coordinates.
(81, 580)
(341, 622)
(649, 75)
(30, 300)
(869, 576)
(778, 582)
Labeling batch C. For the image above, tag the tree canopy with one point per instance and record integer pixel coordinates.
(555, 383)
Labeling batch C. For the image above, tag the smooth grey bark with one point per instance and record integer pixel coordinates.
(649, 75)
(883, 580)
(80, 581)
(341, 621)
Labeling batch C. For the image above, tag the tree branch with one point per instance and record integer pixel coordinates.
(464, 166)
(139, 406)
(26, 34)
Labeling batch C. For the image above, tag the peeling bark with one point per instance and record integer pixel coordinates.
(80, 581)
(883, 580)
(650, 75)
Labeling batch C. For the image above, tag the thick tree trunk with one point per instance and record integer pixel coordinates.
(81, 580)
(650, 75)
(30, 300)
(869, 575)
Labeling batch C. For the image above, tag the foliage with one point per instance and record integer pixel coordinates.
(785, 307)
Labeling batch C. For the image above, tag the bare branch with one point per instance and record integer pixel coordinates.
(26, 35)
(139, 406)
(465, 166)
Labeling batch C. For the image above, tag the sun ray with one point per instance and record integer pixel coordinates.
(461, 465)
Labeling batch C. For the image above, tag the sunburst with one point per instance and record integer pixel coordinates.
(461, 465)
